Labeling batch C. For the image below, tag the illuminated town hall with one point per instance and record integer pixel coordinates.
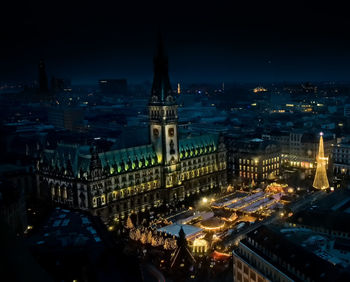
(116, 183)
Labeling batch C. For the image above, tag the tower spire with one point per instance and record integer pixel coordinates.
(43, 85)
(321, 180)
(161, 87)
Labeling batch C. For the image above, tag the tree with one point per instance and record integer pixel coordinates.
(160, 241)
(129, 224)
(132, 234)
(143, 238)
(167, 244)
(155, 242)
(149, 237)
(137, 235)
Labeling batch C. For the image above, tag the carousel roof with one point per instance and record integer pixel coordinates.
(212, 223)
(174, 229)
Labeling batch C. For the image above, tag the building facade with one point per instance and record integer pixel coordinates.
(113, 184)
(253, 159)
(341, 159)
(300, 148)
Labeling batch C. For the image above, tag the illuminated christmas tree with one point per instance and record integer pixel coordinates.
(321, 180)
(129, 224)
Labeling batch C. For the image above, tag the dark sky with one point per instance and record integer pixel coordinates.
(219, 41)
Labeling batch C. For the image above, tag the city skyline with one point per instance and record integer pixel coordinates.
(262, 43)
(186, 143)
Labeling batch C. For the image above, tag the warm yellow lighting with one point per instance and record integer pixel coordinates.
(159, 157)
(205, 200)
(259, 89)
(321, 180)
(214, 228)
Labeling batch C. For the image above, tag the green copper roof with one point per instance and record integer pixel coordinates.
(199, 145)
(115, 161)
(129, 159)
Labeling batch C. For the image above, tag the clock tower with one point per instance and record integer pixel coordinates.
(163, 119)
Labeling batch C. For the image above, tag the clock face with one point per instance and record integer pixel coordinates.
(155, 132)
(171, 132)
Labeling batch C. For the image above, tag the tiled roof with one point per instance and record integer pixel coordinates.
(199, 145)
(116, 160)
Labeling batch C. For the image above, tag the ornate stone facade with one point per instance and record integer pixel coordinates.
(116, 183)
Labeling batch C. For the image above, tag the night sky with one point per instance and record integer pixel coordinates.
(205, 42)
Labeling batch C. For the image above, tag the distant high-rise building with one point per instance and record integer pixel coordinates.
(113, 86)
(60, 84)
(347, 110)
(68, 118)
(42, 77)
(178, 88)
(321, 180)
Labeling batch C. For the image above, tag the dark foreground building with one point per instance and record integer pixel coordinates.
(75, 246)
(116, 183)
(13, 207)
(266, 255)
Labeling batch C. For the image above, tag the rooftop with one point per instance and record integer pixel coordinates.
(174, 229)
(279, 251)
(69, 230)
(336, 220)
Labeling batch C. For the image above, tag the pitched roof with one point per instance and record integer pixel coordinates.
(199, 145)
(116, 160)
